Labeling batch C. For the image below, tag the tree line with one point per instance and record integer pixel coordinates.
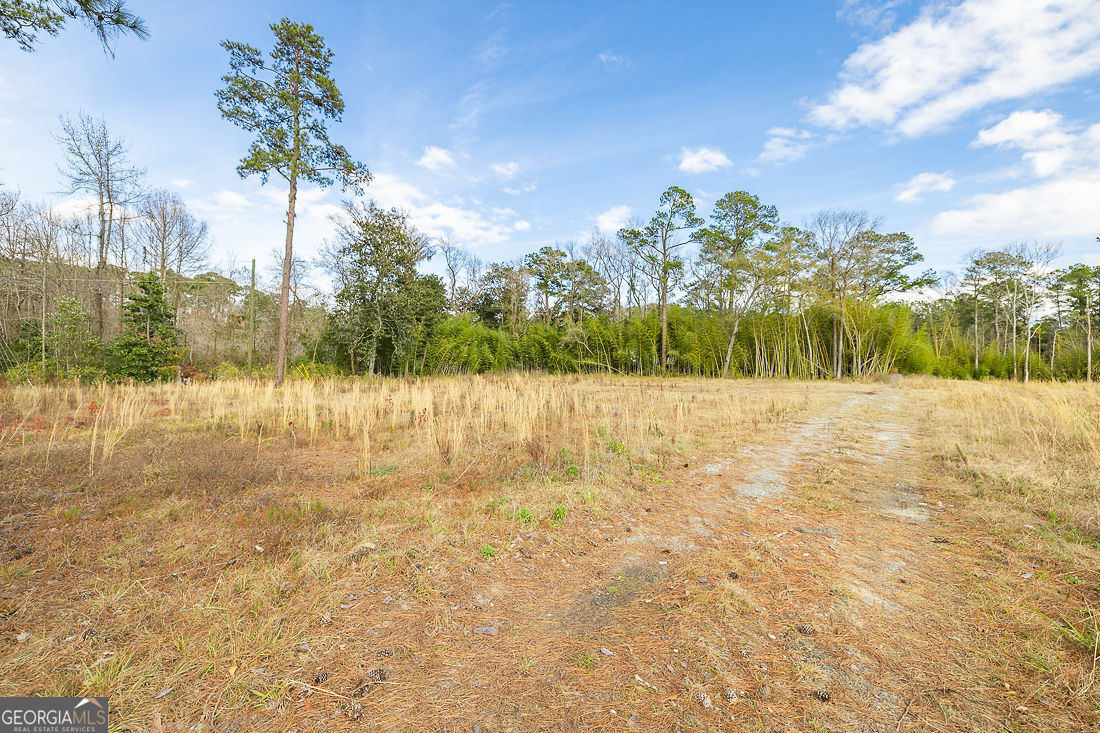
(124, 289)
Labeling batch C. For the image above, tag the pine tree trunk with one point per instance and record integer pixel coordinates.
(284, 291)
(1088, 338)
(975, 331)
(664, 326)
(288, 255)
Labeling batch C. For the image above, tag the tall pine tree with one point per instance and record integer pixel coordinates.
(287, 101)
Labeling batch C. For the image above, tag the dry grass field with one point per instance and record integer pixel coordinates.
(522, 553)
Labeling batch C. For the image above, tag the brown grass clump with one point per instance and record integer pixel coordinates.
(1032, 447)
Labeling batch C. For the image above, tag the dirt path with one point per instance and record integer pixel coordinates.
(801, 585)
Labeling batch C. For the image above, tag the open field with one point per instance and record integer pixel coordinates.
(556, 553)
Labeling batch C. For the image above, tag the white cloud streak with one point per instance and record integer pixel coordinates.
(784, 145)
(612, 60)
(914, 189)
(1061, 207)
(507, 170)
(950, 61)
(875, 15)
(436, 158)
(1048, 143)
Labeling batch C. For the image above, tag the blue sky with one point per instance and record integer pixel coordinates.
(510, 126)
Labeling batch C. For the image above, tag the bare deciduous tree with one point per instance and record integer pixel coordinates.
(836, 231)
(98, 165)
(174, 242)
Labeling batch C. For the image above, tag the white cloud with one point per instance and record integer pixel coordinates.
(312, 203)
(389, 190)
(227, 199)
(1044, 136)
(436, 158)
(466, 225)
(914, 189)
(508, 170)
(251, 221)
(702, 160)
(75, 206)
(1027, 129)
(493, 49)
(182, 182)
(522, 225)
(1061, 204)
(516, 190)
(785, 144)
(610, 59)
(953, 60)
(254, 221)
(318, 205)
(1059, 207)
(875, 15)
(613, 219)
